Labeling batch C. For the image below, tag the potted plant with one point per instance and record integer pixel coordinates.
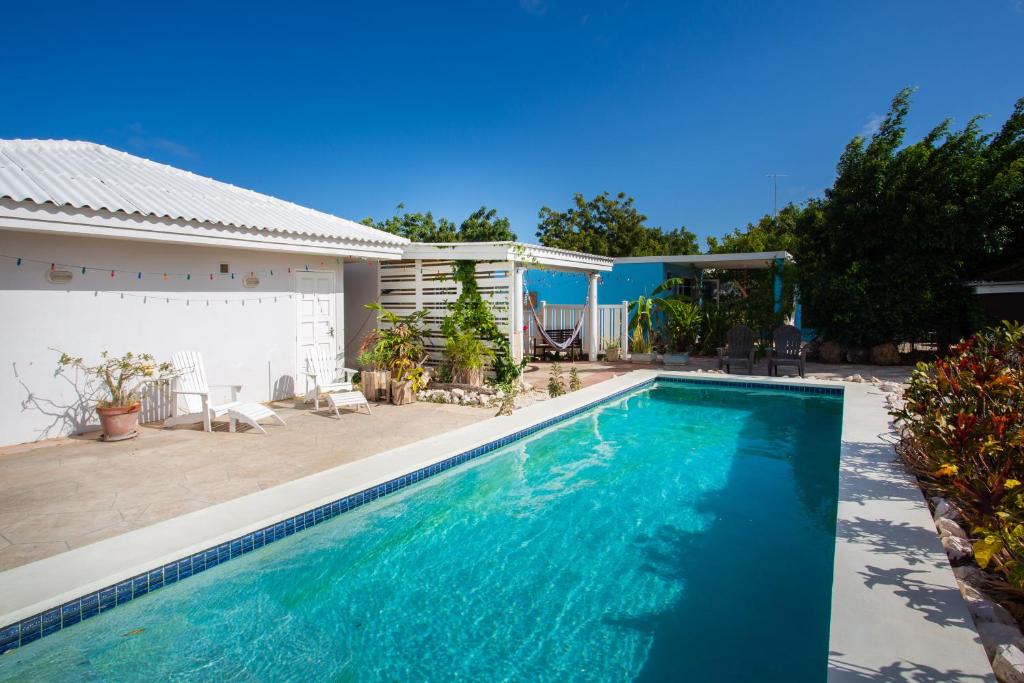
(682, 325)
(123, 378)
(612, 352)
(466, 356)
(399, 349)
(374, 377)
(641, 340)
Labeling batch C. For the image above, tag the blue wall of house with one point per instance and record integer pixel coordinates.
(625, 282)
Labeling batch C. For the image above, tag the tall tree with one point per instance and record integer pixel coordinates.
(610, 226)
(483, 225)
(885, 254)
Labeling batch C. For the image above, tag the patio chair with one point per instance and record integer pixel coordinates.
(322, 372)
(740, 349)
(191, 389)
(787, 350)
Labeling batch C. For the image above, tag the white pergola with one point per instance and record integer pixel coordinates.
(516, 257)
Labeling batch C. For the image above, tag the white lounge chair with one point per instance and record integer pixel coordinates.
(347, 399)
(323, 373)
(192, 390)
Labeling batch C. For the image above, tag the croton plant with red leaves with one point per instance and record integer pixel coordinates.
(963, 436)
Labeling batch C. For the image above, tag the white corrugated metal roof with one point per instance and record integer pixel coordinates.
(87, 175)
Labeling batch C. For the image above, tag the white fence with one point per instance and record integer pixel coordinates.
(612, 322)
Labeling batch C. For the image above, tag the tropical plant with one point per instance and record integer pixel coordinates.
(611, 343)
(574, 379)
(556, 385)
(682, 317)
(717, 319)
(465, 356)
(963, 436)
(122, 376)
(641, 325)
(398, 345)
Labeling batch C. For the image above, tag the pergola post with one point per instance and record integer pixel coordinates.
(517, 338)
(593, 334)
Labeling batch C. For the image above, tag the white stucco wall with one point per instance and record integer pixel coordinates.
(360, 289)
(252, 344)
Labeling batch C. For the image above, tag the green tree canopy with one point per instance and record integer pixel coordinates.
(885, 254)
(610, 226)
(483, 225)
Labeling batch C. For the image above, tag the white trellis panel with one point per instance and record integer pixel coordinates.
(410, 285)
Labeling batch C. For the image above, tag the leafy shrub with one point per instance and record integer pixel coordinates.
(963, 436)
(556, 385)
(466, 356)
(574, 379)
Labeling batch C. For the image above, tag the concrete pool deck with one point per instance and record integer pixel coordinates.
(896, 614)
(61, 494)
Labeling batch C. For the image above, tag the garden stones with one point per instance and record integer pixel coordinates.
(831, 352)
(885, 354)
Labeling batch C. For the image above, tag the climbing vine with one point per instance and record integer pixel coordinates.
(471, 312)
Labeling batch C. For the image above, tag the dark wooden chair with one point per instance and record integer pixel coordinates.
(541, 347)
(739, 353)
(787, 350)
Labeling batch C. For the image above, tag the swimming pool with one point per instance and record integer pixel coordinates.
(680, 531)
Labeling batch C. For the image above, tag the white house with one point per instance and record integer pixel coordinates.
(102, 250)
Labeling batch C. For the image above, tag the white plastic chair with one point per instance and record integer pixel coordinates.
(191, 389)
(322, 372)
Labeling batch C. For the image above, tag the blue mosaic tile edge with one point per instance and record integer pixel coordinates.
(58, 618)
(793, 388)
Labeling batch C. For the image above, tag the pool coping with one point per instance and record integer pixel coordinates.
(57, 592)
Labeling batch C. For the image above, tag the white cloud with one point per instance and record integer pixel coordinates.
(535, 7)
(139, 139)
(871, 126)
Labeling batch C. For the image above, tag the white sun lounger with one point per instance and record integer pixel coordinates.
(322, 372)
(193, 391)
(347, 399)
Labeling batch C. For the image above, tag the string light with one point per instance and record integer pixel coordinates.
(83, 269)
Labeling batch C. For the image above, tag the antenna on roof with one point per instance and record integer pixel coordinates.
(775, 191)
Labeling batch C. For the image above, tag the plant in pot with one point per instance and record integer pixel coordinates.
(466, 356)
(682, 325)
(123, 378)
(641, 338)
(612, 352)
(399, 349)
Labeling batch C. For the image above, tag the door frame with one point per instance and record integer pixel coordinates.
(339, 302)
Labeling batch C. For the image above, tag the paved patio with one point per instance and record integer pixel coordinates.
(60, 494)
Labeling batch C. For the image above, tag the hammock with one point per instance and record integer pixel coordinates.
(561, 346)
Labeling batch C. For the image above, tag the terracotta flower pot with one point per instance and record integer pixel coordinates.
(119, 422)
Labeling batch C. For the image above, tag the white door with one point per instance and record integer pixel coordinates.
(316, 318)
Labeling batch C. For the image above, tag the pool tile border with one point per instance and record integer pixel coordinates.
(56, 619)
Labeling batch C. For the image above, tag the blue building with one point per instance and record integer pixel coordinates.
(640, 275)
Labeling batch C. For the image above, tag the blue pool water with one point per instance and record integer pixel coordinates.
(679, 533)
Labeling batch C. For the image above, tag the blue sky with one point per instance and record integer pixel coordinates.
(353, 108)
